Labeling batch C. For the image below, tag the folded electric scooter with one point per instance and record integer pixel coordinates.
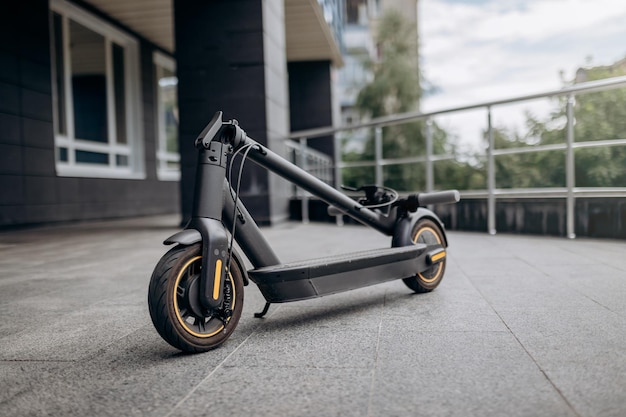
(196, 290)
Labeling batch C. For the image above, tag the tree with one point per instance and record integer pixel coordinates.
(395, 88)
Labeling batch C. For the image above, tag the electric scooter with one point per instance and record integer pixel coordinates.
(196, 291)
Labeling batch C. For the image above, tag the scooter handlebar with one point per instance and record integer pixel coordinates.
(439, 197)
(413, 201)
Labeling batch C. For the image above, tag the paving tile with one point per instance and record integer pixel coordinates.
(460, 374)
(281, 391)
(308, 346)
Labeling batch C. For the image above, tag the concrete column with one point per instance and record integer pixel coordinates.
(231, 57)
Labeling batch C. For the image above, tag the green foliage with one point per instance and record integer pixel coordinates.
(598, 116)
(460, 175)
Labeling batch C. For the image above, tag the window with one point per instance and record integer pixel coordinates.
(356, 12)
(96, 96)
(168, 157)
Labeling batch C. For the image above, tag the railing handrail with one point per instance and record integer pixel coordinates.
(569, 192)
(588, 86)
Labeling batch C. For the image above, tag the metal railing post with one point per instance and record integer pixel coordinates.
(378, 154)
(570, 174)
(430, 182)
(337, 171)
(305, 196)
(491, 178)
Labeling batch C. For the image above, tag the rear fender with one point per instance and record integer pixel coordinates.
(190, 236)
(404, 227)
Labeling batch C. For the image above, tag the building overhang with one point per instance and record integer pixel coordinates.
(308, 36)
(152, 19)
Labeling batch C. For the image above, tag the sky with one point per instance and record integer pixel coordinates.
(479, 50)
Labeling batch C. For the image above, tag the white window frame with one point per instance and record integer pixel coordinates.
(164, 173)
(133, 149)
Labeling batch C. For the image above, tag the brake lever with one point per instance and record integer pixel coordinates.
(345, 187)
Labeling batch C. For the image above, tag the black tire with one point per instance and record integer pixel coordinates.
(174, 308)
(426, 231)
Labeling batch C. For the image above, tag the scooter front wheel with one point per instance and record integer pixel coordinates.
(427, 232)
(175, 308)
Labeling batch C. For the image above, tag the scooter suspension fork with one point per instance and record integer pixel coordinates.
(207, 219)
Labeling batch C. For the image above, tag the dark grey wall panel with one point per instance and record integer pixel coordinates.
(10, 130)
(38, 161)
(10, 159)
(8, 67)
(310, 98)
(11, 191)
(37, 133)
(9, 98)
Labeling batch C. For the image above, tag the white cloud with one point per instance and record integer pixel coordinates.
(480, 51)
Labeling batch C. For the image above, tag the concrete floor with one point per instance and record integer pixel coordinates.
(520, 326)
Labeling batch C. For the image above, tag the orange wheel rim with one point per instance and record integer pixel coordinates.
(184, 321)
(436, 270)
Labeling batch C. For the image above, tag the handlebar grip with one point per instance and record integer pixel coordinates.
(440, 197)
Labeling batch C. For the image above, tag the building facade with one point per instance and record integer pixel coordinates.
(101, 100)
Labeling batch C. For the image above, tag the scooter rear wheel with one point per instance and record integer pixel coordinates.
(427, 232)
(175, 308)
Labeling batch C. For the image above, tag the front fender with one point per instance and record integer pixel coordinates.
(184, 237)
(190, 236)
(404, 227)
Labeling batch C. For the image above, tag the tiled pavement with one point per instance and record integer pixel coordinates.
(520, 326)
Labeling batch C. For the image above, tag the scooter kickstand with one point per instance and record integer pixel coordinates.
(264, 312)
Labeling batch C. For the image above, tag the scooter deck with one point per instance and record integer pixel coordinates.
(317, 277)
